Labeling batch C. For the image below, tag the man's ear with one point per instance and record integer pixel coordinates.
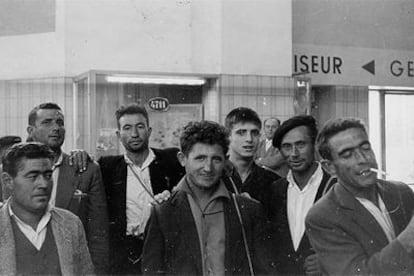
(149, 131)
(7, 181)
(29, 130)
(328, 166)
(181, 158)
(118, 134)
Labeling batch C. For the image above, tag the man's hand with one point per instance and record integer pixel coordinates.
(406, 237)
(79, 159)
(312, 266)
(161, 197)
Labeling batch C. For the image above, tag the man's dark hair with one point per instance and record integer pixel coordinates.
(296, 121)
(33, 112)
(17, 152)
(133, 108)
(333, 127)
(272, 118)
(243, 115)
(205, 132)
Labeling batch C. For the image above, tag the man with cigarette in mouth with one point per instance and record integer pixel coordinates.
(363, 225)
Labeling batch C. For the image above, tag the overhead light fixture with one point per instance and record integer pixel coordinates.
(157, 80)
(392, 88)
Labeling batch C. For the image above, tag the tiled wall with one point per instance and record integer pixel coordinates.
(18, 97)
(269, 96)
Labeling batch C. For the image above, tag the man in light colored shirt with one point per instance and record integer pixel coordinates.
(363, 225)
(37, 238)
(133, 180)
(294, 195)
(203, 229)
(81, 193)
(267, 155)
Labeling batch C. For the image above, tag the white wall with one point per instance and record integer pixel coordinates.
(182, 36)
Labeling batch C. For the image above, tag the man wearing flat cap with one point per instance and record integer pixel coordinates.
(294, 195)
(5, 143)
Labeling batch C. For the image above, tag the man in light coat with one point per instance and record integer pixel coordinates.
(37, 238)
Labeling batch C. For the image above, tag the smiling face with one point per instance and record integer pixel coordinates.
(204, 165)
(49, 128)
(244, 140)
(31, 187)
(352, 158)
(298, 150)
(134, 132)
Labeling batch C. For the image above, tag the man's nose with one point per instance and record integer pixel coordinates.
(135, 132)
(295, 150)
(207, 165)
(361, 156)
(42, 181)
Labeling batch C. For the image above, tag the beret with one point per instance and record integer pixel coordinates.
(300, 120)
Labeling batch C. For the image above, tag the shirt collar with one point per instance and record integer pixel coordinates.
(221, 190)
(151, 157)
(58, 162)
(43, 221)
(315, 179)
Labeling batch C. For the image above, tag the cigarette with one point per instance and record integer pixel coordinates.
(378, 171)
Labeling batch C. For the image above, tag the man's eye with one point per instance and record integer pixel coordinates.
(48, 176)
(286, 147)
(366, 147)
(255, 133)
(346, 154)
(301, 145)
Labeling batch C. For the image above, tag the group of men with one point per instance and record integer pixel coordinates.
(218, 205)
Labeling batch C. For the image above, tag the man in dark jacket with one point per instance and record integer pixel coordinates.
(242, 174)
(294, 195)
(203, 229)
(132, 181)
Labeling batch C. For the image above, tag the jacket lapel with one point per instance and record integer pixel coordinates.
(66, 185)
(7, 246)
(63, 244)
(187, 228)
(359, 214)
(393, 202)
(234, 240)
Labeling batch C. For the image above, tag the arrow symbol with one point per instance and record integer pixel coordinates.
(370, 67)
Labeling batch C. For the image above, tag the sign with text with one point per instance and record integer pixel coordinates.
(327, 65)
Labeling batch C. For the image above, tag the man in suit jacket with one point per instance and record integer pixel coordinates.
(267, 155)
(132, 181)
(294, 195)
(363, 226)
(198, 230)
(36, 238)
(82, 193)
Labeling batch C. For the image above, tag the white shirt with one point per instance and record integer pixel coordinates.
(138, 201)
(268, 144)
(299, 202)
(55, 177)
(38, 236)
(381, 214)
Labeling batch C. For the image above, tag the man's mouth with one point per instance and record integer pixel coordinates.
(365, 171)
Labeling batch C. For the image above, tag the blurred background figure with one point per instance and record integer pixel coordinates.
(268, 156)
(5, 143)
